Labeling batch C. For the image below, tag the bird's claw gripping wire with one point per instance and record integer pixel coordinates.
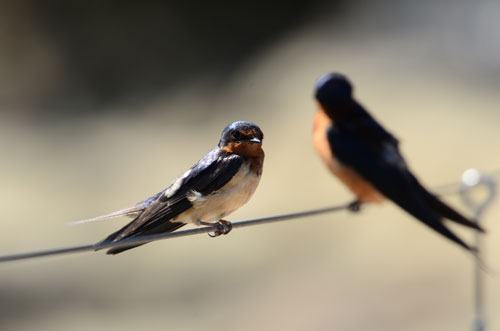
(355, 206)
(222, 227)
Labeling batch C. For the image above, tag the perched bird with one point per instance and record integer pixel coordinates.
(366, 158)
(218, 184)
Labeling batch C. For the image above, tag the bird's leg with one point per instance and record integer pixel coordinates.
(222, 227)
(355, 206)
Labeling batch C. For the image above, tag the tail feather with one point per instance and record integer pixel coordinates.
(446, 211)
(438, 226)
(167, 227)
(116, 250)
(416, 203)
(443, 210)
(130, 212)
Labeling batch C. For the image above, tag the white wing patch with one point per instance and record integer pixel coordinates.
(196, 198)
(172, 189)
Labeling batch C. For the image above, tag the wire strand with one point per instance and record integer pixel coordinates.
(442, 190)
(170, 235)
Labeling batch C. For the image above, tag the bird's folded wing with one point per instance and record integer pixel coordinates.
(381, 164)
(206, 177)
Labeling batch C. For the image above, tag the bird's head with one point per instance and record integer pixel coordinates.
(334, 93)
(242, 137)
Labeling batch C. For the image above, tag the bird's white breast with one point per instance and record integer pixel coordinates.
(215, 206)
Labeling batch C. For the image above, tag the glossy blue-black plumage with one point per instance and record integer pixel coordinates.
(359, 142)
(382, 166)
(235, 132)
(207, 176)
(333, 90)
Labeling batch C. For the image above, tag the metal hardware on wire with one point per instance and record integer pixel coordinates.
(472, 179)
(454, 188)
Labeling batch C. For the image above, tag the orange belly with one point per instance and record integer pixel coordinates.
(359, 186)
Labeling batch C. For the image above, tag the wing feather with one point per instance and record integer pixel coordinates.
(380, 163)
(206, 176)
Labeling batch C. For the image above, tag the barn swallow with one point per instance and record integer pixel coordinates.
(366, 158)
(218, 184)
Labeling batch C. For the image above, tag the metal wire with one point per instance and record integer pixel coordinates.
(447, 189)
(170, 235)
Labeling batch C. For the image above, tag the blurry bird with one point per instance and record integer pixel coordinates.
(366, 158)
(218, 184)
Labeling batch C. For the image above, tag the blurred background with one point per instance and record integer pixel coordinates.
(103, 103)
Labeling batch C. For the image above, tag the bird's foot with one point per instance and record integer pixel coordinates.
(355, 206)
(222, 227)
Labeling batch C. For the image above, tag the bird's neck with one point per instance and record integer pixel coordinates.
(243, 148)
(321, 120)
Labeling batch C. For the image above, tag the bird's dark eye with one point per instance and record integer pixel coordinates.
(236, 134)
